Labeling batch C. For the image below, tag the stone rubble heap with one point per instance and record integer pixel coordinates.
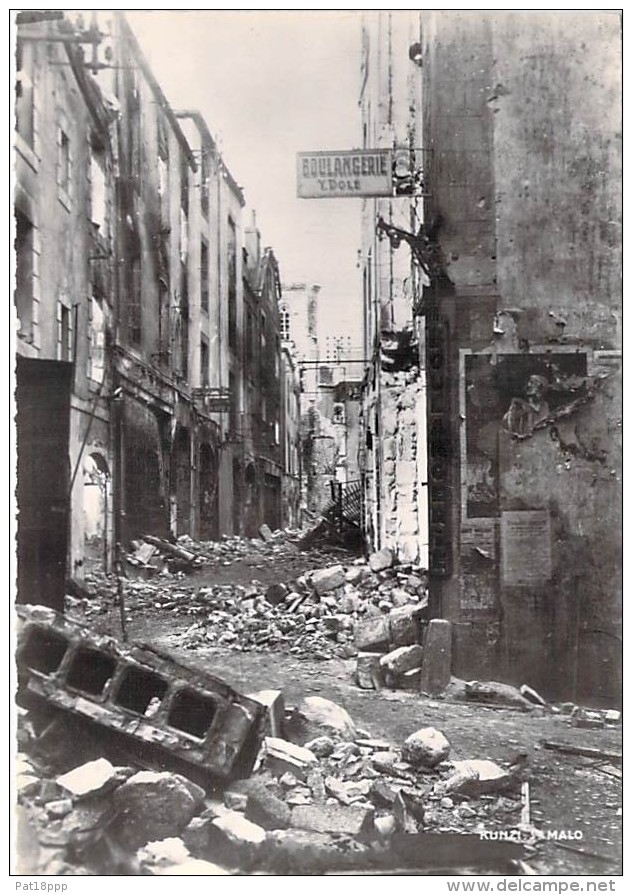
(316, 615)
(327, 797)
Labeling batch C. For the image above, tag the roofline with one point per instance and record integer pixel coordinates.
(200, 122)
(155, 86)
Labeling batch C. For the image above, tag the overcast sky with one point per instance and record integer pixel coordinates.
(271, 84)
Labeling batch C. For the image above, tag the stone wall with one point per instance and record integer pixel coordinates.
(402, 415)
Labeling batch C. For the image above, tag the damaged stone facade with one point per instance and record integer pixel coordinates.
(130, 280)
(393, 420)
(516, 315)
(522, 114)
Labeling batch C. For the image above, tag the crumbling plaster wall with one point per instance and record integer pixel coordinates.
(403, 468)
(531, 237)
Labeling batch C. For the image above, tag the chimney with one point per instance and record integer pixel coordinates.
(252, 239)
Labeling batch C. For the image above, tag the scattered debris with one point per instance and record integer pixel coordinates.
(586, 751)
(496, 692)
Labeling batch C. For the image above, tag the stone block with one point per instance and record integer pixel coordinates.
(325, 580)
(153, 805)
(354, 574)
(315, 716)
(373, 634)
(426, 748)
(321, 746)
(276, 594)
(346, 819)
(195, 867)
(268, 811)
(402, 659)
(235, 801)
(409, 680)
(235, 841)
(88, 778)
(368, 672)
(196, 835)
(437, 660)
(274, 705)
(59, 808)
(381, 559)
(405, 625)
(282, 756)
(266, 533)
(406, 473)
(299, 852)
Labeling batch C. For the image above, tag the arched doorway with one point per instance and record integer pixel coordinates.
(96, 502)
(209, 493)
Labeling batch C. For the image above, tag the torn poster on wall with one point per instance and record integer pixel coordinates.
(478, 565)
(513, 395)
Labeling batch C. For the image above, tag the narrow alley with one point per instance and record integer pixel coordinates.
(316, 383)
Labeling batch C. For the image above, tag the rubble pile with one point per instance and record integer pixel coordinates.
(338, 800)
(151, 555)
(316, 615)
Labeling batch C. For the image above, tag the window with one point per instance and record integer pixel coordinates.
(204, 275)
(96, 336)
(64, 331)
(284, 319)
(98, 190)
(24, 274)
(134, 310)
(63, 164)
(204, 362)
(25, 93)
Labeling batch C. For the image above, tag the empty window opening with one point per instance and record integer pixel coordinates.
(140, 690)
(192, 713)
(44, 651)
(90, 671)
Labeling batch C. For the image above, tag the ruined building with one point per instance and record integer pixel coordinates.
(393, 424)
(134, 376)
(517, 248)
